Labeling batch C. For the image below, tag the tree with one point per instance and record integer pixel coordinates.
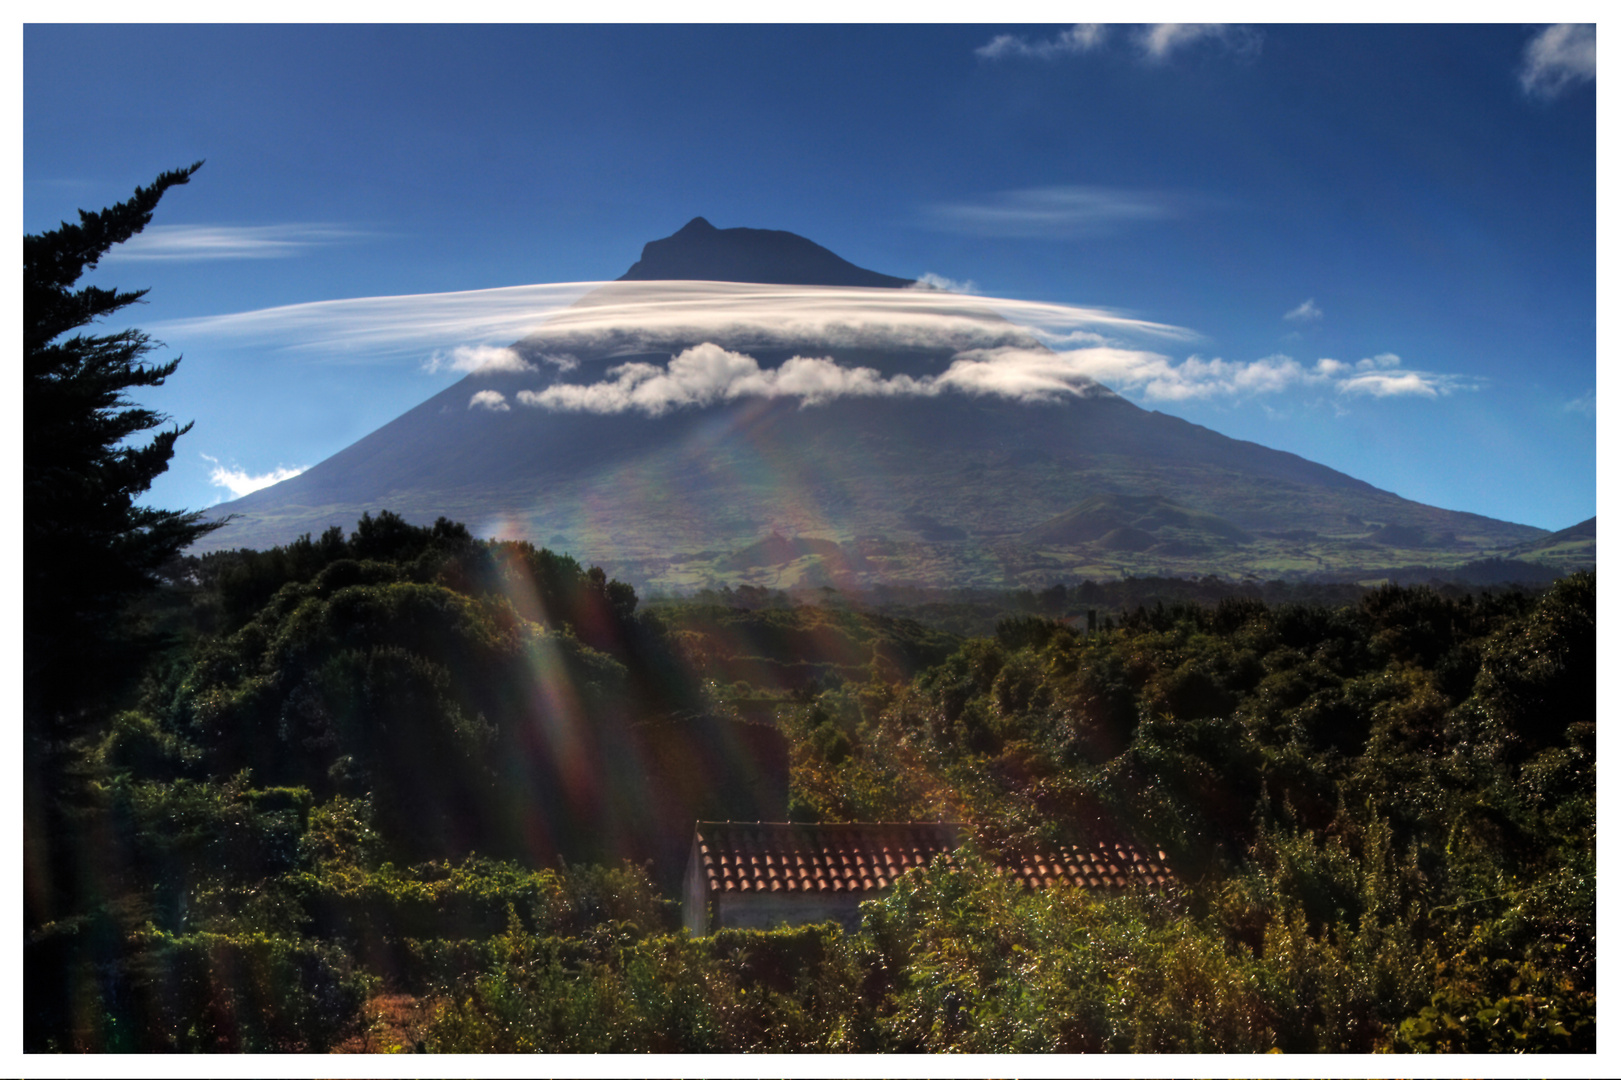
(87, 547)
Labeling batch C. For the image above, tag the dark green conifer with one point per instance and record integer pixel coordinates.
(87, 546)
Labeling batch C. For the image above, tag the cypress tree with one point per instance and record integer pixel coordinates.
(87, 547)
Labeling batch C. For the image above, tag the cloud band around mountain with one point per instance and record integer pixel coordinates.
(708, 374)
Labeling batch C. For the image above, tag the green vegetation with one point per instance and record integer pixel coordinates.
(329, 789)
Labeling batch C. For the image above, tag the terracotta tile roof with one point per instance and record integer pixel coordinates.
(761, 857)
(1102, 866)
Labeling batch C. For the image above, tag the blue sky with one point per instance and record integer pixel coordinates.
(1414, 205)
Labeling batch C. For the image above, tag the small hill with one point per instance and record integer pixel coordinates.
(1573, 548)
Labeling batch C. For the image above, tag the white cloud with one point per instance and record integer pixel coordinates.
(479, 359)
(1587, 404)
(1080, 38)
(709, 374)
(1559, 57)
(1052, 211)
(706, 374)
(1308, 311)
(240, 482)
(1158, 379)
(1382, 360)
(492, 400)
(561, 361)
(944, 284)
(1157, 42)
(226, 241)
(557, 322)
(1160, 40)
(1393, 384)
(375, 328)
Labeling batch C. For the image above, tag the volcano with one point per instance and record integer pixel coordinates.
(586, 442)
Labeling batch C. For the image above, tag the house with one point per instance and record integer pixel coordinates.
(758, 875)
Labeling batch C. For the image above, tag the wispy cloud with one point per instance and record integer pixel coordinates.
(1160, 40)
(195, 242)
(491, 400)
(1586, 405)
(1383, 375)
(1156, 42)
(1381, 360)
(553, 324)
(240, 482)
(1558, 58)
(1052, 211)
(1308, 311)
(1394, 384)
(1080, 38)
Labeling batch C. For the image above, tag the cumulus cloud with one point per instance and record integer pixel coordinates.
(479, 359)
(490, 400)
(1031, 375)
(192, 242)
(1558, 58)
(1157, 378)
(707, 374)
(1080, 38)
(1308, 311)
(1160, 40)
(240, 482)
(1052, 211)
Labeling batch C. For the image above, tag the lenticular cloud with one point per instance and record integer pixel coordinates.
(460, 331)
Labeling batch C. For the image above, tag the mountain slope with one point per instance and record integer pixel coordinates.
(950, 489)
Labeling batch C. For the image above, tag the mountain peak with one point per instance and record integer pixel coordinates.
(701, 252)
(696, 227)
